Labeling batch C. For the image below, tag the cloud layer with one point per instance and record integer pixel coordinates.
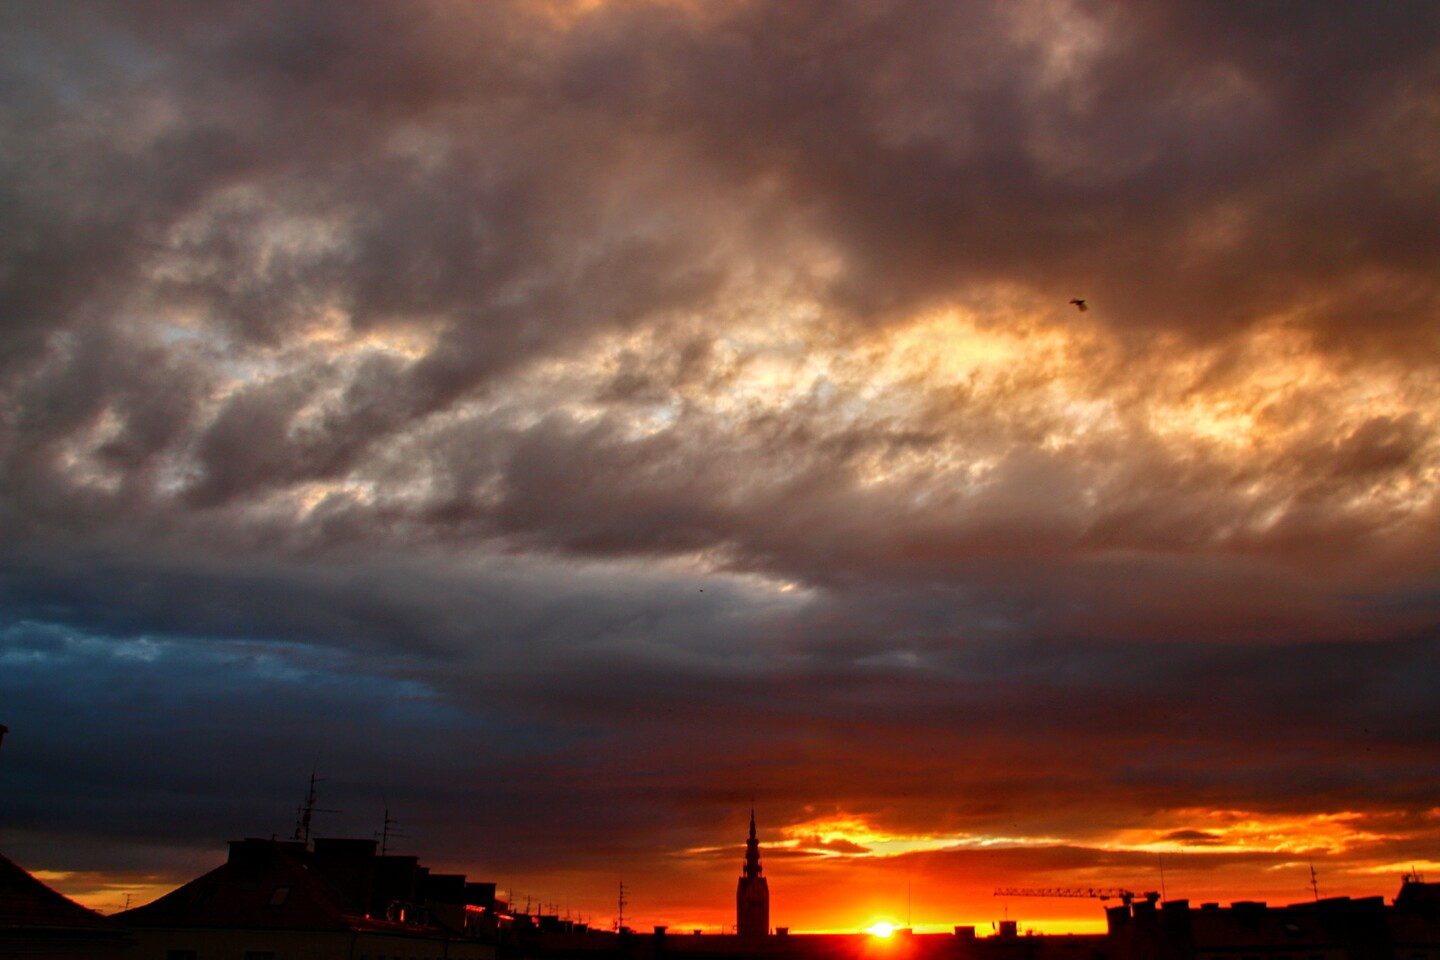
(567, 421)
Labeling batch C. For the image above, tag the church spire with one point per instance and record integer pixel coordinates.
(752, 893)
(752, 850)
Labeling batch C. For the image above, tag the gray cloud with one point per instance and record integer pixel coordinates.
(513, 402)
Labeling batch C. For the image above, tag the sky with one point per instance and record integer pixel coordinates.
(565, 423)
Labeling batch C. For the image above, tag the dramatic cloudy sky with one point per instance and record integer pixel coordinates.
(563, 421)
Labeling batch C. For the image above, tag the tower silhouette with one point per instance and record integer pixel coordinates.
(752, 894)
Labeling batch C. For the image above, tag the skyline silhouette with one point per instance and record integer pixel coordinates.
(558, 423)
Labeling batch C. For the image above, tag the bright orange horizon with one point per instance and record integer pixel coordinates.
(842, 874)
(999, 439)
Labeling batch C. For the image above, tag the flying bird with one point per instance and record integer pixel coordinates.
(1080, 304)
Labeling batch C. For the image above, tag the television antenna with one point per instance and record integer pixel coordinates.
(386, 832)
(307, 811)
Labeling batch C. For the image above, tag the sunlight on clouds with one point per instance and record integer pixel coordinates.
(1266, 387)
(330, 330)
(1272, 393)
(1400, 868)
(949, 346)
(760, 587)
(1206, 420)
(273, 239)
(1239, 831)
(947, 396)
(1236, 395)
(850, 835)
(81, 454)
(568, 13)
(928, 412)
(311, 495)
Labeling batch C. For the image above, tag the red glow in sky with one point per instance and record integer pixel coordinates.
(563, 424)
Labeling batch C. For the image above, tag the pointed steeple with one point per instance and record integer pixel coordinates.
(752, 894)
(752, 850)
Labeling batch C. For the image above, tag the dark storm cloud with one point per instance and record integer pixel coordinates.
(937, 144)
(511, 196)
(514, 376)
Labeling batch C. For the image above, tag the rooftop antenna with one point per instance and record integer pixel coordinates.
(1161, 856)
(620, 910)
(386, 833)
(308, 811)
(1314, 881)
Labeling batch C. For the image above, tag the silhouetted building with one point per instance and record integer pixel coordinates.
(279, 899)
(752, 894)
(1336, 928)
(36, 921)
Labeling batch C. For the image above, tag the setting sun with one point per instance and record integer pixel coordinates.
(757, 468)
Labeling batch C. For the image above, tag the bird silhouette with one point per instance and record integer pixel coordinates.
(1080, 304)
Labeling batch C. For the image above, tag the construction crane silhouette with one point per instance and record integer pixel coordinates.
(1096, 893)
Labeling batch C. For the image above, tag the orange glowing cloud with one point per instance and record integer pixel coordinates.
(1237, 831)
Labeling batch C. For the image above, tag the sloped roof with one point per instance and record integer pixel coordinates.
(271, 888)
(266, 884)
(26, 903)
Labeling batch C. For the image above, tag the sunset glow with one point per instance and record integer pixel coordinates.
(998, 443)
(1233, 831)
(844, 835)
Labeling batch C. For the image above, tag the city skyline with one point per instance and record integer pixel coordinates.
(1001, 440)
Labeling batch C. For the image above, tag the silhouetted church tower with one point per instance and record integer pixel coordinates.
(752, 895)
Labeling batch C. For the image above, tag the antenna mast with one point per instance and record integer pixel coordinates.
(386, 833)
(307, 811)
(620, 911)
